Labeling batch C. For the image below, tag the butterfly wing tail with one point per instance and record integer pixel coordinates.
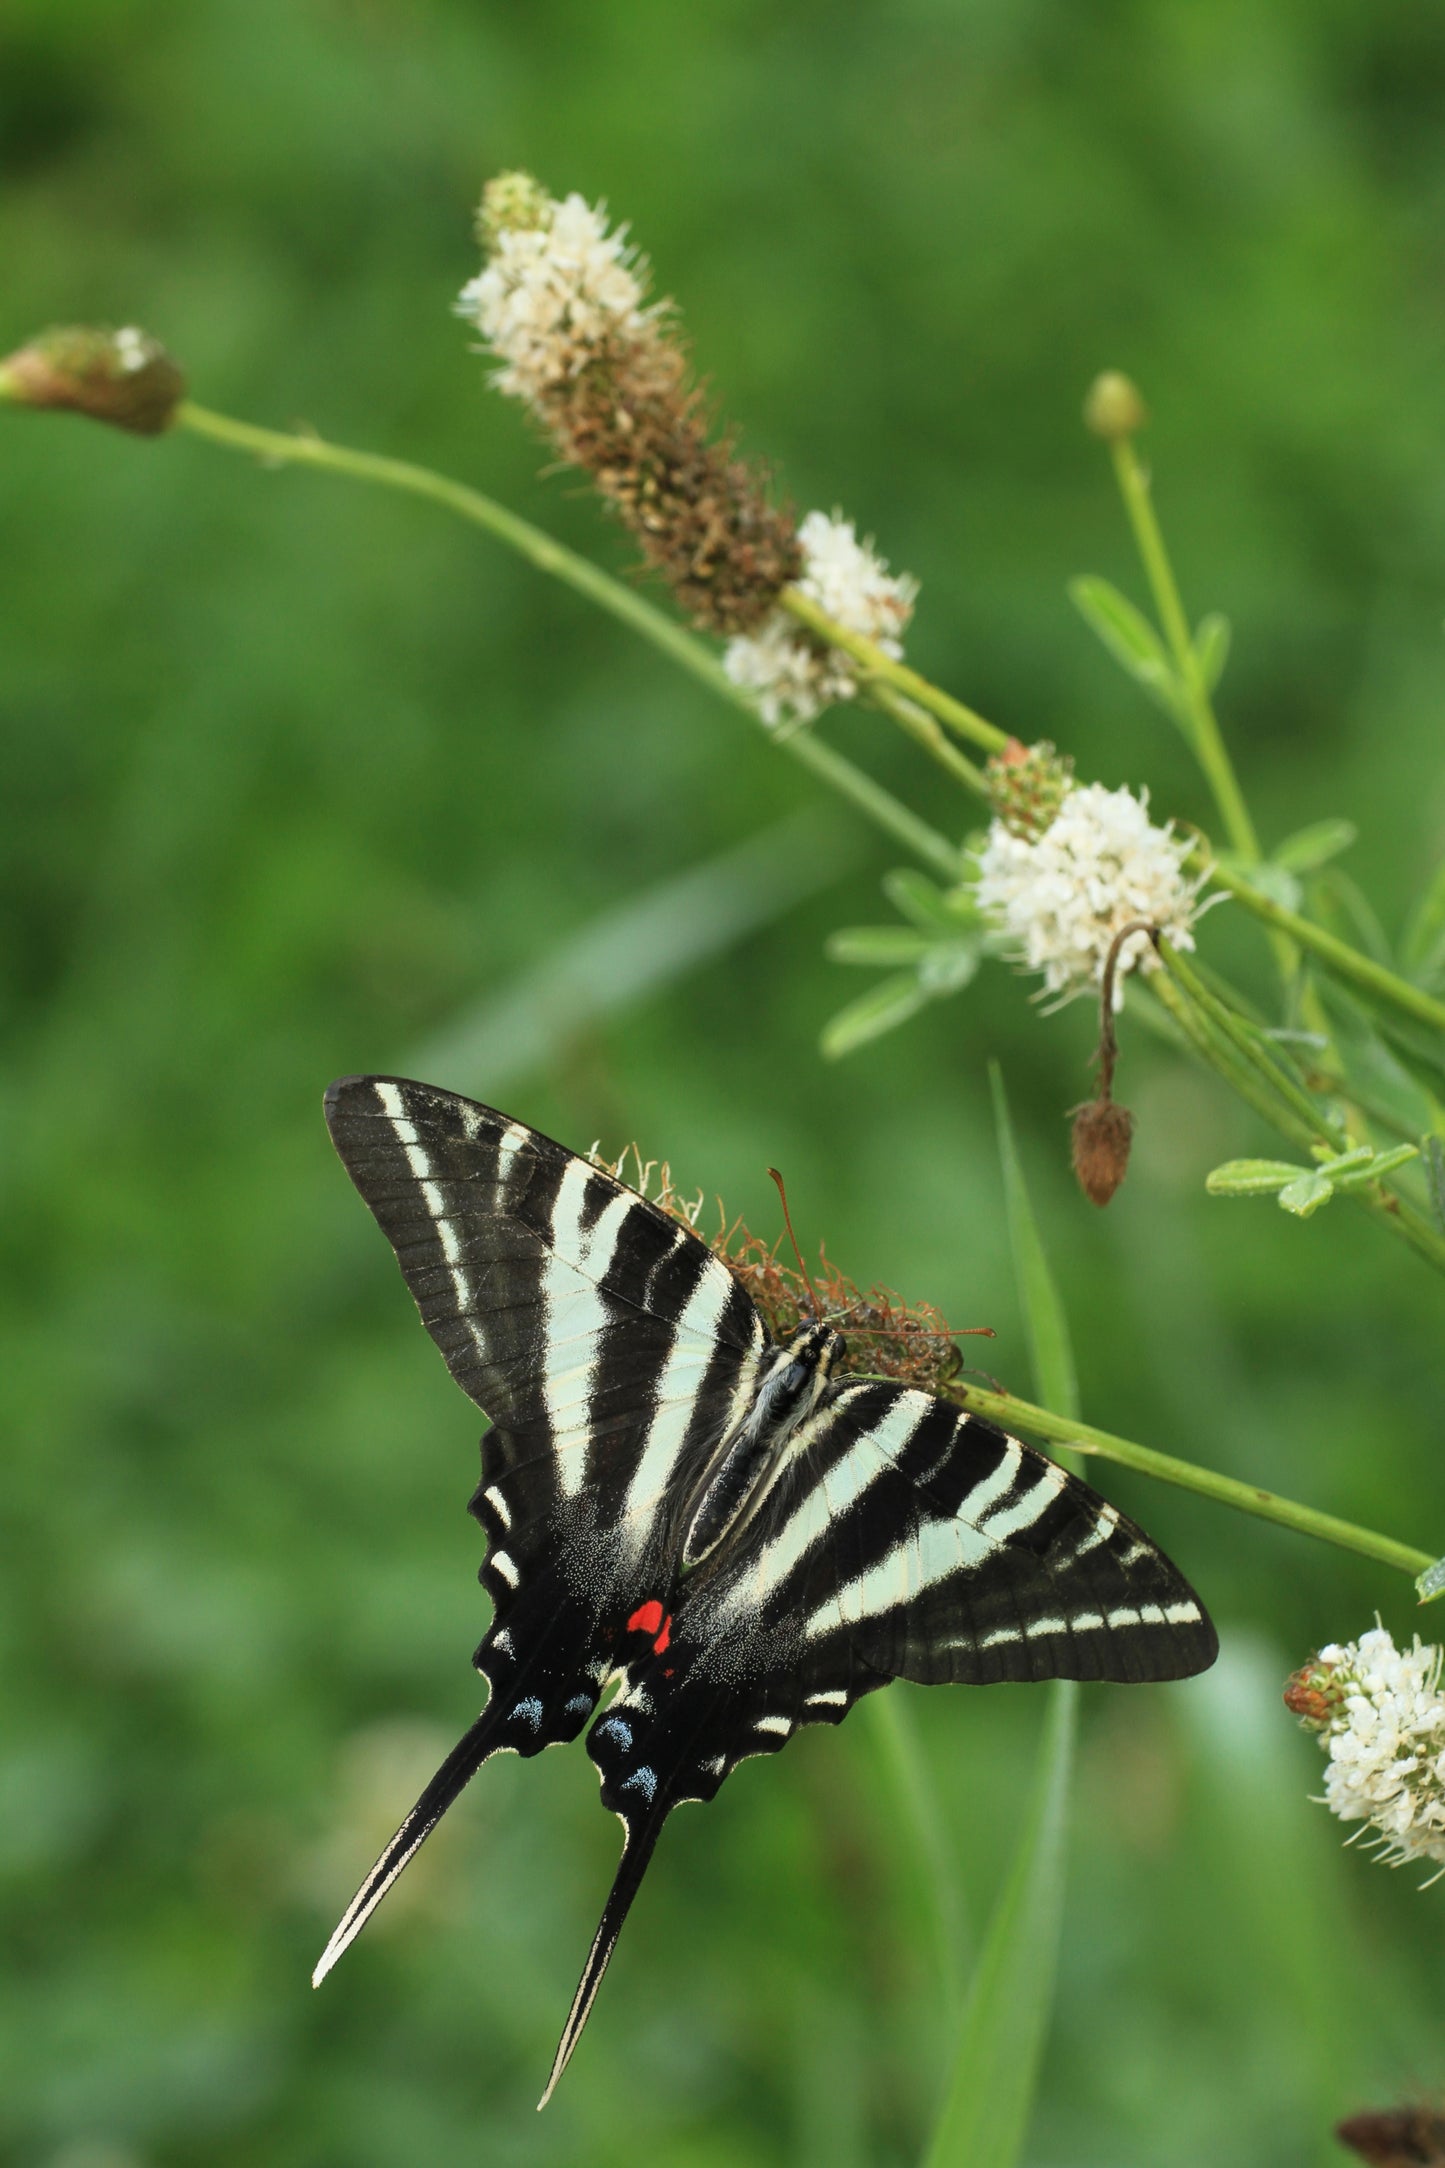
(460, 1766)
(641, 1837)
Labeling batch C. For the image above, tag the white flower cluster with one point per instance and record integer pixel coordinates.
(1385, 1737)
(791, 677)
(1061, 899)
(550, 295)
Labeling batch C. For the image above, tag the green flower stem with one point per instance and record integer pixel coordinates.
(922, 727)
(1346, 962)
(1224, 1489)
(882, 668)
(1200, 723)
(622, 602)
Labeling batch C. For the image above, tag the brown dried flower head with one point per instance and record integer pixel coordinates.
(1102, 1134)
(562, 303)
(911, 1342)
(1396, 2137)
(122, 377)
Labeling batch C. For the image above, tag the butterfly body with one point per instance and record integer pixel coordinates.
(737, 1536)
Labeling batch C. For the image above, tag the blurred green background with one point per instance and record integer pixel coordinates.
(297, 779)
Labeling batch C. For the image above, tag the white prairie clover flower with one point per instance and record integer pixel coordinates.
(1380, 1716)
(554, 293)
(1061, 898)
(791, 674)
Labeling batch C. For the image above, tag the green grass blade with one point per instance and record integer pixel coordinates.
(985, 2116)
(1051, 1353)
(991, 2088)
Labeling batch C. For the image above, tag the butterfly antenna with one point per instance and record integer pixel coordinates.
(788, 1223)
(460, 1766)
(636, 1852)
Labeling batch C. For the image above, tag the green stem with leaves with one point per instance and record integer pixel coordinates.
(281, 448)
(1347, 963)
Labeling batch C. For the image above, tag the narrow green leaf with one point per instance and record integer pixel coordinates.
(882, 1009)
(1431, 1583)
(1309, 848)
(1353, 908)
(1211, 648)
(991, 2087)
(877, 945)
(1050, 1351)
(1274, 881)
(923, 902)
(1435, 1177)
(1251, 1177)
(1423, 943)
(1128, 635)
(949, 966)
(1334, 1164)
(1378, 1165)
(1307, 1194)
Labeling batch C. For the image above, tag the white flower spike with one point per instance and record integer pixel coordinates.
(1380, 1717)
(792, 677)
(554, 294)
(1060, 898)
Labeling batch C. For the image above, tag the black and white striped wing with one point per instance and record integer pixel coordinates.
(904, 1539)
(611, 1350)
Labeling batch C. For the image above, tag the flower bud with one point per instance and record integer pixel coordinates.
(122, 377)
(1027, 784)
(512, 203)
(1102, 1135)
(1113, 408)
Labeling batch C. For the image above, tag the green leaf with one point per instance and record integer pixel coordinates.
(1307, 1194)
(1051, 1353)
(882, 1009)
(1251, 1177)
(1376, 1166)
(924, 903)
(1309, 848)
(1274, 881)
(1211, 648)
(877, 945)
(1128, 635)
(1431, 1583)
(1334, 1164)
(1422, 946)
(1353, 908)
(985, 2115)
(949, 966)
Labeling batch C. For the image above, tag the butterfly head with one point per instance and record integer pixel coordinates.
(815, 1351)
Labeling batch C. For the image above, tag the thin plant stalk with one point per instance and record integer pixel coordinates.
(1201, 725)
(965, 720)
(1227, 1490)
(278, 447)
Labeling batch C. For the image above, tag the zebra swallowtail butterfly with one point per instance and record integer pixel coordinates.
(737, 1534)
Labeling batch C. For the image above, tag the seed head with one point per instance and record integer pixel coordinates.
(122, 377)
(1027, 785)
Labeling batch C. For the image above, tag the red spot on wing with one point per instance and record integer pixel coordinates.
(646, 1619)
(659, 1646)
